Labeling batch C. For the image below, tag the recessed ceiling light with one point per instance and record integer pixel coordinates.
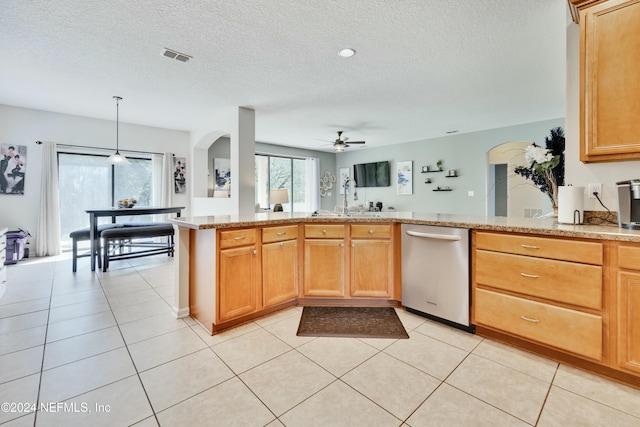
(347, 52)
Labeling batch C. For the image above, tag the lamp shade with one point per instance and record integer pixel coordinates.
(280, 195)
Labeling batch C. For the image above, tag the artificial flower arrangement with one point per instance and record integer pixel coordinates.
(546, 165)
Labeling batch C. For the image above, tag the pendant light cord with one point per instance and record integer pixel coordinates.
(117, 98)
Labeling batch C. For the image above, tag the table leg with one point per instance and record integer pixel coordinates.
(93, 235)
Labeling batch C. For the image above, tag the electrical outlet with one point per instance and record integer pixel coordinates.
(594, 188)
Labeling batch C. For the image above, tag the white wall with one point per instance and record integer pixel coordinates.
(21, 126)
(576, 172)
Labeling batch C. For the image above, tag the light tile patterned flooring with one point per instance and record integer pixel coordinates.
(104, 350)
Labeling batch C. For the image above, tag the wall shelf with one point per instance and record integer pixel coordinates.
(451, 176)
(443, 189)
(432, 171)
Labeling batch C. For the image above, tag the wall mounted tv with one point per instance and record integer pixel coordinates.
(372, 174)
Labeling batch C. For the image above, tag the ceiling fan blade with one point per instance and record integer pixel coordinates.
(357, 142)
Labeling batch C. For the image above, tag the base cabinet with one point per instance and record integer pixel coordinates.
(628, 295)
(324, 268)
(371, 268)
(279, 272)
(525, 287)
(238, 282)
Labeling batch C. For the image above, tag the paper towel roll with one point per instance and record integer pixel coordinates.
(570, 200)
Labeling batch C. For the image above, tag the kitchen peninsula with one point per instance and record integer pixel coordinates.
(569, 292)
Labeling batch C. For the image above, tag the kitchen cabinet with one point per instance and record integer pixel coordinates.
(609, 87)
(534, 288)
(239, 284)
(371, 261)
(324, 260)
(627, 337)
(279, 264)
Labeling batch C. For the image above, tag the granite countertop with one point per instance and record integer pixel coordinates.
(544, 226)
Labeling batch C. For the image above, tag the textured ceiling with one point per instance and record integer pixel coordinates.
(422, 68)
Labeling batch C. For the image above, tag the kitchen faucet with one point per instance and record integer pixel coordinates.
(355, 194)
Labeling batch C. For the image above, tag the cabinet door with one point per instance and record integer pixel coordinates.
(238, 284)
(628, 296)
(371, 268)
(610, 88)
(279, 272)
(324, 267)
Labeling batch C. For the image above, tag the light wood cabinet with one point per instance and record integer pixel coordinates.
(609, 86)
(324, 261)
(627, 297)
(371, 261)
(544, 296)
(279, 264)
(239, 284)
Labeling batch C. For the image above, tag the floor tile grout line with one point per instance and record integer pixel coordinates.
(135, 367)
(44, 349)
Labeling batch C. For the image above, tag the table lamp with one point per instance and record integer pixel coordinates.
(277, 197)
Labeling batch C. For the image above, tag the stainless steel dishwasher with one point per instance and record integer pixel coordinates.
(435, 273)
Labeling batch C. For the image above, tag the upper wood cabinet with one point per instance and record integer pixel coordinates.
(609, 83)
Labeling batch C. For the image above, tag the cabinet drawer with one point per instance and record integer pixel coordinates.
(567, 282)
(234, 238)
(323, 231)
(542, 247)
(570, 330)
(278, 234)
(629, 257)
(373, 231)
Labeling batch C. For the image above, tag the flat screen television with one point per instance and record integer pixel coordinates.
(372, 174)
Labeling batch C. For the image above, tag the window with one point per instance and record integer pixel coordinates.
(86, 181)
(273, 172)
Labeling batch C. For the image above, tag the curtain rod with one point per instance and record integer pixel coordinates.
(101, 148)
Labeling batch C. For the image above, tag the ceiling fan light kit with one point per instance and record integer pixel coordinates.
(341, 142)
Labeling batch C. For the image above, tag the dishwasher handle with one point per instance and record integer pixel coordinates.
(434, 236)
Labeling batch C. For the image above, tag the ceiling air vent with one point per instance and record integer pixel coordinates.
(182, 57)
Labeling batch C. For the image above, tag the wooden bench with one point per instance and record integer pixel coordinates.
(117, 240)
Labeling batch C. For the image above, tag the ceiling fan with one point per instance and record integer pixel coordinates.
(341, 142)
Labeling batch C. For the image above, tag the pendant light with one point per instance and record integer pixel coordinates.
(117, 158)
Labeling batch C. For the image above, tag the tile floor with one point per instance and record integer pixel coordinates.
(104, 350)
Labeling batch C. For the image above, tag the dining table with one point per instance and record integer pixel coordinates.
(94, 214)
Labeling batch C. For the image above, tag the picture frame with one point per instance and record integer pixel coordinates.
(180, 174)
(405, 177)
(222, 178)
(13, 165)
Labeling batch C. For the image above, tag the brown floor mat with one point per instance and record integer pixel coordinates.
(354, 322)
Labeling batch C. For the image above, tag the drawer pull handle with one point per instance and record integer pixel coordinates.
(281, 233)
(530, 246)
(528, 319)
(239, 238)
(531, 276)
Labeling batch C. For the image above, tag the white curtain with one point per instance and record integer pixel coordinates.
(48, 232)
(312, 200)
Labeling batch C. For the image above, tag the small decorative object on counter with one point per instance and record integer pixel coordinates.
(439, 165)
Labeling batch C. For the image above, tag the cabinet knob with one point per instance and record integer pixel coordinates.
(324, 231)
(353, 245)
(281, 244)
(528, 319)
(255, 251)
(342, 245)
(371, 231)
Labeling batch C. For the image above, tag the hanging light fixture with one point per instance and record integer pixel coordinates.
(117, 158)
